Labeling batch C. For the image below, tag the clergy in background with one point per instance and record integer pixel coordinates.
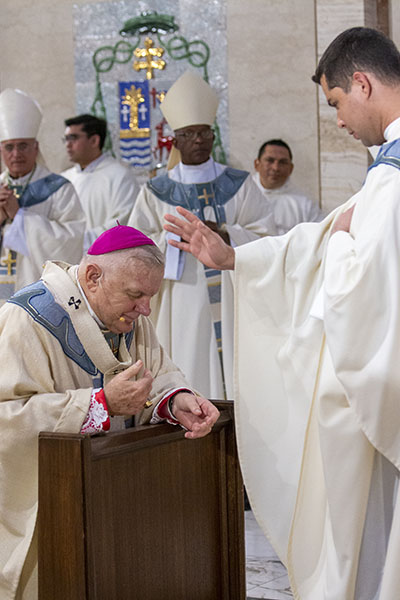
(290, 206)
(40, 215)
(79, 355)
(107, 188)
(193, 311)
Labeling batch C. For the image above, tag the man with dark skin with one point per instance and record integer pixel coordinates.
(229, 203)
(195, 144)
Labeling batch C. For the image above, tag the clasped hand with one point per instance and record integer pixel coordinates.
(8, 204)
(127, 397)
(195, 413)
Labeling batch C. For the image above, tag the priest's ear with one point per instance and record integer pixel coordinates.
(94, 140)
(93, 274)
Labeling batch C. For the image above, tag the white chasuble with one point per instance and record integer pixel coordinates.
(51, 350)
(317, 399)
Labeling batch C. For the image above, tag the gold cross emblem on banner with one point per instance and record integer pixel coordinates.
(206, 197)
(132, 98)
(9, 262)
(152, 58)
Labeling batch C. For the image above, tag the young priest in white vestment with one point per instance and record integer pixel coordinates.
(317, 328)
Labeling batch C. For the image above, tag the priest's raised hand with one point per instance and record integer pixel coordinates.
(205, 245)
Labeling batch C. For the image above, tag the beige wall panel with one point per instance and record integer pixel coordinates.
(394, 17)
(37, 56)
(343, 160)
(271, 49)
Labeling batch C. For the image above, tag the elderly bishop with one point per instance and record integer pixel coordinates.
(91, 362)
(40, 214)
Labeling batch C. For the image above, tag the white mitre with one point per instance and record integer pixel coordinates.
(189, 101)
(20, 115)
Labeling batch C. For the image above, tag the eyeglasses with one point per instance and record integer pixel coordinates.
(73, 137)
(19, 146)
(192, 134)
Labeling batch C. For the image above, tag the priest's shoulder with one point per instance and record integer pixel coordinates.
(39, 303)
(388, 155)
(236, 174)
(160, 184)
(392, 149)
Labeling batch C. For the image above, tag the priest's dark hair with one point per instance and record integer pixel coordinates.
(91, 125)
(359, 49)
(276, 142)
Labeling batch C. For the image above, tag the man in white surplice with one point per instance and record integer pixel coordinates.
(317, 353)
(40, 214)
(106, 188)
(193, 312)
(274, 166)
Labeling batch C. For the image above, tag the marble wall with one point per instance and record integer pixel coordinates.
(394, 21)
(273, 48)
(37, 56)
(343, 159)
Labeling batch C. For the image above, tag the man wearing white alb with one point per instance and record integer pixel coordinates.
(193, 311)
(290, 206)
(317, 353)
(106, 188)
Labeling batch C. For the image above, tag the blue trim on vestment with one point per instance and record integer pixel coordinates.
(129, 337)
(388, 155)
(40, 190)
(40, 304)
(197, 196)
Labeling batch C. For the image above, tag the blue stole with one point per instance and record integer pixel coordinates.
(40, 304)
(388, 155)
(40, 190)
(35, 193)
(196, 196)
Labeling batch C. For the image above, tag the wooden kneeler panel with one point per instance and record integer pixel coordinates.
(141, 514)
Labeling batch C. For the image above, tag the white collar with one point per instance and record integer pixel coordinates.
(285, 188)
(23, 179)
(203, 173)
(392, 131)
(91, 166)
